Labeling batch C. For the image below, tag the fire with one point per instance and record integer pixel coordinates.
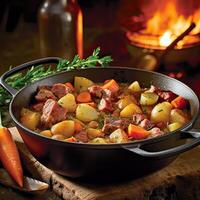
(165, 26)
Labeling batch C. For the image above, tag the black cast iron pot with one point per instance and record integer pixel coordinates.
(109, 161)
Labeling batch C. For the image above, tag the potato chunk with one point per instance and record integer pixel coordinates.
(125, 101)
(135, 87)
(161, 112)
(46, 133)
(82, 83)
(118, 136)
(148, 98)
(94, 133)
(65, 128)
(177, 115)
(86, 113)
(174, 126)
(68, 102)
(98, 141)
(29, 118)
(129, 110)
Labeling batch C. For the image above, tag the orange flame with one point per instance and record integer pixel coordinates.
(165, 26)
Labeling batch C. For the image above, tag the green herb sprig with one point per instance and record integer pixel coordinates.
(19, 80)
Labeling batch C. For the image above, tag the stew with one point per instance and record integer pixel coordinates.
(102, 113)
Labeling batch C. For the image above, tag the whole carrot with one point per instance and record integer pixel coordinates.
(9, 155)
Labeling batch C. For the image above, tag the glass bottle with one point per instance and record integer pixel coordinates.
(61, 28)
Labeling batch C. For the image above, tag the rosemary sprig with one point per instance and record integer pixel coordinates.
(19, 80)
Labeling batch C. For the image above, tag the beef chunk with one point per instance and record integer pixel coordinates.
(60, 90)
(105, 105)
(38, 106)
(155, 132)
(82, 136)
(111, 125)
(146, 124)
(52, 113)
(109, 95)
(96, 91)
(44, 94)
(166, 95)
(137, 118)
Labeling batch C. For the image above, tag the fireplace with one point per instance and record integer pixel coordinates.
(162, 35)
(160, 22)
(137, 33)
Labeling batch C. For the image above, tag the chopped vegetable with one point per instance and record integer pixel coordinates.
(179, 102)
(29, 118)
(82, 84)
(9, 156)
(78, 126)
(94, 133)
(135, 87)
(84, 97)
(86, 113)
(118, 136)
(98, 141)
(174, 126)
(65, 128)
(161, 112)
(137, 132)
(46, 133)
(148, 98)
(111, 85)
(177, 115)
(125, 101)
(129, 110)
(68, 102)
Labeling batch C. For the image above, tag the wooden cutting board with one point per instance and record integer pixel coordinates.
(180, 180)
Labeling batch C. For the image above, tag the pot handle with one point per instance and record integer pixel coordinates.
(14, 70)
(169, 152)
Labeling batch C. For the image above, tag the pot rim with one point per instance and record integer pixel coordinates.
(114, 145)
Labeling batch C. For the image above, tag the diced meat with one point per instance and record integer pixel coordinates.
(96, 91)
(82, 136)
(111, 125)
(60, 90)
(52, 113)
(161, 125)
(166, 95)
(137, 118)
(155, 132)
(146, 124)
(105, 105)
(153, 89)
(109, 95)
(38, 106)
(44, 94)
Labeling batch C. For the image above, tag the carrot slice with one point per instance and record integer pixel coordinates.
(68, 84)
(137, 132)
(84, 97)
(111, 85)
(179, 102)
(9, 156)
(78, 126)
